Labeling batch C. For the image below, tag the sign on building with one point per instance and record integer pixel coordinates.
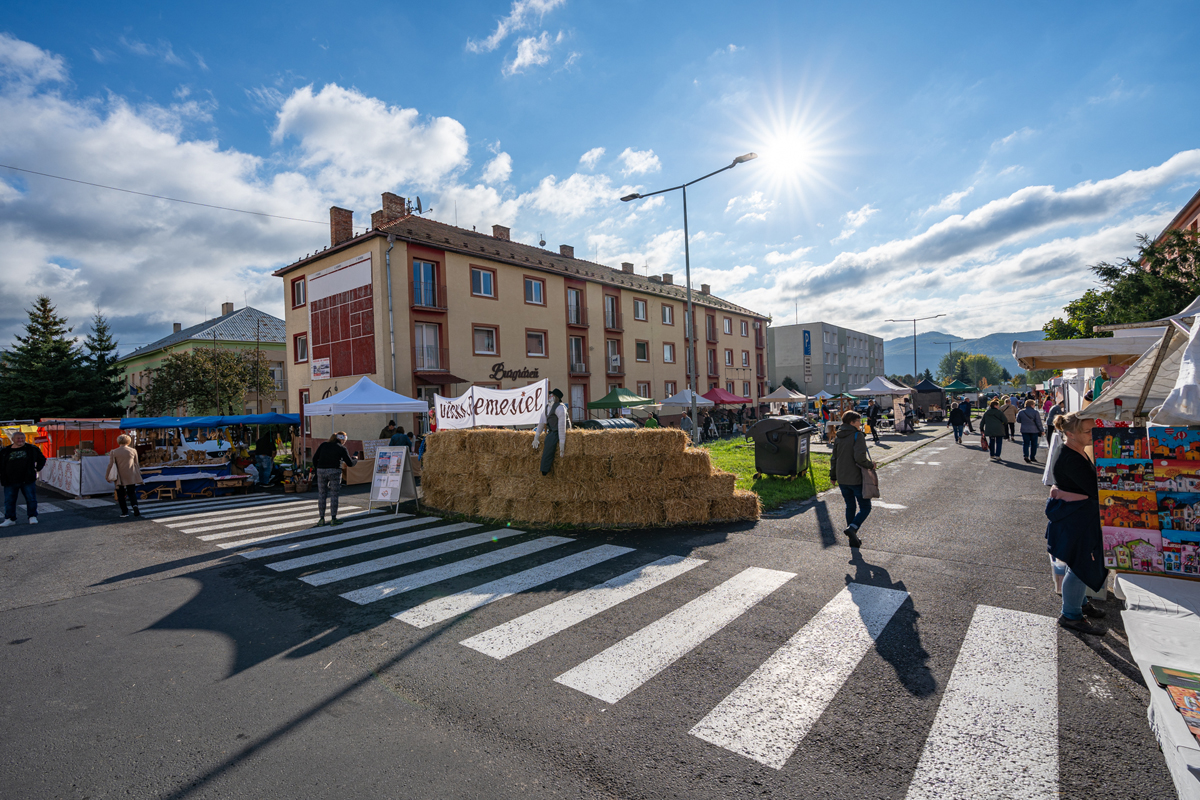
(341, 319)
(481, 406)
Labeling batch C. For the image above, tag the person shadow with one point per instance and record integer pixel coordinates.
(900, 642)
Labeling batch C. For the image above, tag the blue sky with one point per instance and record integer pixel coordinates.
(958, 159)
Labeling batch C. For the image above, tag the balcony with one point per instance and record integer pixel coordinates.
(710, 333)
(689, 332)
(612, 321)
(759, 342)
(614, 366)
(712, 370)
(577, 316)
(428, 296)
(427, 358)
(761, 371)
(579, 368)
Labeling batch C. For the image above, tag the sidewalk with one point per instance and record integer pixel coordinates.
(893, 445)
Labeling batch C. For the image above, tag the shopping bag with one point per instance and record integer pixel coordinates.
(983, 442)
(113, 475)
(1056, 446)
(870, 484)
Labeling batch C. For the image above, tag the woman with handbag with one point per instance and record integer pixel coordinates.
(994, 428)
(851, 468)
(125, 471)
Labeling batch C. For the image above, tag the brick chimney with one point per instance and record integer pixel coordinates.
(226, 308)
(341, 225)
(177, 327)
(379, 219)
(668, 279)
(626, 267)
(501, 232)
(566, 250)
(704, 289)
(394, 207)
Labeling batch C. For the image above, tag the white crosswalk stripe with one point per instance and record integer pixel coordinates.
(370, 594)
(350, 522)
(512, 637)
(281, 515)
(996, 730)
(394, 541)
(212, 506)
(773, 710)
(402, 521)
(636, 659)
(212, 537)
(444, 608)
(264, 510)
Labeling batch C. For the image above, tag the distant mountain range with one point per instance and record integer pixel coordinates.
(932, 347)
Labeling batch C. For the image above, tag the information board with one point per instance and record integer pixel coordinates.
(392, 481)
(371, 447)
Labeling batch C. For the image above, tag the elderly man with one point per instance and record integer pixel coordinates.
(19, 466)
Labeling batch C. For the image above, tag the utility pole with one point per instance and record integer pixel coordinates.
(914, 322)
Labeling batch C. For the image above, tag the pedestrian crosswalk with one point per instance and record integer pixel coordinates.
(425, 571)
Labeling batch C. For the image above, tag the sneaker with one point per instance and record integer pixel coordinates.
(123, 516)
(8, 522)
(137, 513)
(1080, 626)
(33, 521)
(1091, 610)
(852, 534)
(1026, 460)
(335, 521)
(320, 523)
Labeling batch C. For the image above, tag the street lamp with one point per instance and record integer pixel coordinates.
(687, 268)
(914, 322)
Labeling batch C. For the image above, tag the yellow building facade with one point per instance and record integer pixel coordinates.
(472, 308)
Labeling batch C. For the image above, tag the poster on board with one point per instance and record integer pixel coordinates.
(371, 447)
(392, 480)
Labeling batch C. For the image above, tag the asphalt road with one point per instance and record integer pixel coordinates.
(765, 660)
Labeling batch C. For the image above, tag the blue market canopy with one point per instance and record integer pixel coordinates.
(159, 423)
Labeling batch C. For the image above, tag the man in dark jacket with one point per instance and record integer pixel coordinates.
(264, 458)
(19, 465)
(400, 439)
(965, 405)
(846, 463)
(873, 414)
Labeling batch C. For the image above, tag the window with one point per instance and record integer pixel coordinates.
(826, 337)
(483, 282)
(307, 420)
(427, 352)
(612, 349)
(299, 292)
(729, 386)
(485, 341)
(745, 328)
(712, 362)
(578, 363)
(745, 388)
(643, 389)
(668, 314)
(728, 325)
(535, 291)
(745, 358)
(639, 310)
(535, 343)
(729, 358)
(612, 313)
(425, 284)
(668, 352)
(669, 388)
(300, 347)
(642, 351)
(575, 308)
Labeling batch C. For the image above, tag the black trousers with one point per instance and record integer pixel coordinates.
(549, 450)
(126, 496)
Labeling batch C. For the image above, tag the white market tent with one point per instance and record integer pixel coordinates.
(782, 395)
(1079, 353)
(365, 397)
(881, 386)
(684, 400)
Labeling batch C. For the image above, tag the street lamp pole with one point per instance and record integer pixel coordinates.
(690, 326)
(914, 322)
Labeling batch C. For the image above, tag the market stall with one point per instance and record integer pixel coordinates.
(618, 400)
(79, 460)
(930, 400)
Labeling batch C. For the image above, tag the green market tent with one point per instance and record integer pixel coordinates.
(620, 398)
(959, 386)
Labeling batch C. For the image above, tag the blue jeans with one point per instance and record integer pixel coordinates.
(958, 429)
(995, 443)
(853, 495)
(1074, 591)
(265, 465)
(1030, 446)
(10, 500)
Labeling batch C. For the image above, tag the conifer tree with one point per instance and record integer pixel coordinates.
(105, 385)
(40, 377)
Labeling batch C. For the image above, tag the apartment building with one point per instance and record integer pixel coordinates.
(472, 308)
(820, 356)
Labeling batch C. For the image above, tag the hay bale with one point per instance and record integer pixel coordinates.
(510, 488)
(533, 511)
(639, 512)
(637, 469)
(682, 510)
(693, 462)
(443, 442)
(454, 463)
(492, 507)
(741, 505)
(510, 443)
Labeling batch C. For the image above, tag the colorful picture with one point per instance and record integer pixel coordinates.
(1178, 444)
(383, 461)
(1180, 559)
(1120, 443)
(1179, 511)
(1133, 549)
(1125, 475)
(1129, 510)
(1171, 475)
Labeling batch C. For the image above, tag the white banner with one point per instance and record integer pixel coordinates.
(480, 406)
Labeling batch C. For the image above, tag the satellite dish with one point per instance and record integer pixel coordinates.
(419, 205)
(542, 237)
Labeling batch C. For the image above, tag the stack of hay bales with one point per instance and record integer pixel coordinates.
(621, 478)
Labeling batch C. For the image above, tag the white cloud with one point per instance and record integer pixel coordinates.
(853, 220)
(25, 66)
(359, 144)
(266, 98)
(638, 162)
(522, 15)
(531, 51)
(498, 169)
(162, 50)
(477, 206)
(723, 280)
(950, 202)
(752, 207)
(590, 158)
(574, 196)
(1019, 135)
(776, 257)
